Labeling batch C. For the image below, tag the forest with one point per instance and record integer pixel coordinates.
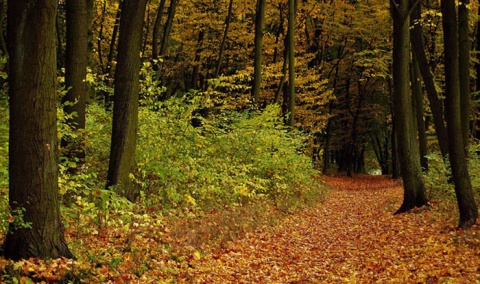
(239, 141)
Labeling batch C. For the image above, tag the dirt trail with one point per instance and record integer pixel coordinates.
(351, 238)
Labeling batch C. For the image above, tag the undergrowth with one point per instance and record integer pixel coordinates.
(440, 188)
(198, 188)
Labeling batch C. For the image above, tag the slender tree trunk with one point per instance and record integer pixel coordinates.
(3, 45)
(113, 40)
(224, 39)
(75, 101)
(60, 28)
(157, 29)
(291, 62)
(33, 151)
(100, 36)
(418, 108)
(464, 46)
(418, 46)
(196, 66)
(166, 34)
(168, 26)
(125, 107)
(458, 162)
(257, 71)
(414, 189)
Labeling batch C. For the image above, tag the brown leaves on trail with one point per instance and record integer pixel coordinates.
(352, 238)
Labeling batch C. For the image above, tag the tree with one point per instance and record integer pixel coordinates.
(257, 69)
(33, 151)
(291, 62)
(436, 106)
(224, 39)
(464, 46)
(157, 30)
(414, 188)
(75, 101)
(125, 107)
(456, 150)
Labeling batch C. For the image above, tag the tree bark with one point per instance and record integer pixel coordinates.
(125, 107)
(157, 29)
(291, 62)
(418, 46)
(3, 44)
(414, 188)
(75, 101)
(224, 39)
(166, 34)
(464, 46)
(33, 151)
(458, 162)
(257, 69)
(418, 109)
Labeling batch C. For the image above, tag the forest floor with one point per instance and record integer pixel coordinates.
(353, 237)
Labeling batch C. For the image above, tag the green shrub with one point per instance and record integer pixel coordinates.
(234, 158)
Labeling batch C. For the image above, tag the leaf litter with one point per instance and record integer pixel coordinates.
(353, 237)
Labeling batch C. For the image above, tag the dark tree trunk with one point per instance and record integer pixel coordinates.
(458, 161)
(113, 40)
(33, 151)
(464, 47)
(60, 28)
(257, 69)
(196, 66)
(157, 29)
(418, 109)
(166, 35)
(3, 45)
(418, 46)
(224, 39)
(291, 62)
(74, 102)
(125, 107)
(414, 188)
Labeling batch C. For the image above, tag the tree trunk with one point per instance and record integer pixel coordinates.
(464, 47)
(418, 46)
(257, 69)
(125, 107)
(224, 39)
(3, 45)
(291, 62)
(33, 151)
(414, 188)
(166, 35)
(74, 102)
(418, 109)
(196, 62)
(156, 29)
(113, 40)
(458, 162)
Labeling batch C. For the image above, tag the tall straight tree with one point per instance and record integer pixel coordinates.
(75, 75)
(257, 65)
(291, 62)
(458, 161)
(464, 46)
(157, 29)
(125, 102)
(33, 151)
(409, 157)
(224, 39)
(436, 105)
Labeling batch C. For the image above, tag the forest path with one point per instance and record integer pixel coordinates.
(351, 238)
